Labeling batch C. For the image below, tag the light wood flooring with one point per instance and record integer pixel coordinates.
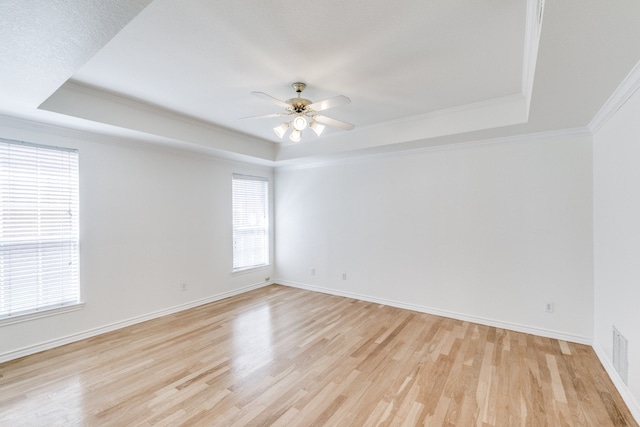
(284, 356)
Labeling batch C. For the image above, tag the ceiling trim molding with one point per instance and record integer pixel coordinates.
(533, 27)
(507, 100)
(496, 112)
(36, 128)
(94, 104)
(524, 138)
(133, 103)
(620, 96)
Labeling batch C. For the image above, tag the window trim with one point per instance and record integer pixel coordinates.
(63, 307)
(267, 264)
(39, 314)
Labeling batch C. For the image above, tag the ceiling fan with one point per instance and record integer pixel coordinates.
(304, 113)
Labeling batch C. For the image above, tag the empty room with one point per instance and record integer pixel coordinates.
(296, 213)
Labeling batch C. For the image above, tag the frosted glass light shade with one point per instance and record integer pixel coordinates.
(295, 135)
(317, 128)
(299, 123)
(281, 130)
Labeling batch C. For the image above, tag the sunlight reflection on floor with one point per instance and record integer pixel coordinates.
(252, 340)
(64, 402)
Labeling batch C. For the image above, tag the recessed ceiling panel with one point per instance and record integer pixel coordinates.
(394, 60)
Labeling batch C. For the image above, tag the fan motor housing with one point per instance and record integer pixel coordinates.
(298, 104)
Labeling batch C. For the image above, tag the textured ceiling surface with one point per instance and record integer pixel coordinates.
(418, 73)
(42, 43)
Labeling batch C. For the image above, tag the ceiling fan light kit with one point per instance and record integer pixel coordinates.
(304, 113)
(299, 123)
(295, 135)
(316, 127)
(281, 130)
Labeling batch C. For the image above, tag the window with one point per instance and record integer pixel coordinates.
(38, 228)
(250, 202)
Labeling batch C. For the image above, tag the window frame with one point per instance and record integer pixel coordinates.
(68, 184)
(264, 228)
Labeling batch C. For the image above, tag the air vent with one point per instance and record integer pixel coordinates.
(540, 10)
(620, 355)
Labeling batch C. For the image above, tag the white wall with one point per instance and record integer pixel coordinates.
(151, 219)
(617, 240)
(487, 233)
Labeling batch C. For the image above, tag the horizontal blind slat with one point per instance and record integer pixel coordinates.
(39, 228)
(250, 206)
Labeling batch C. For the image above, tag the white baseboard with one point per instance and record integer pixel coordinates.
(624, 391)
(36, 348)
(453, 315)
(622, 388)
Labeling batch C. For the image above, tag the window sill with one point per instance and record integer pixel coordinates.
(40, 314)
(250, 270)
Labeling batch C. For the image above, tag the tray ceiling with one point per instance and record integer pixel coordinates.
(416, 72)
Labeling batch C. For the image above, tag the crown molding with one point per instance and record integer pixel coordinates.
(620, 96)
(93, 104)
(30, 129)
(535, 9)
(494, 113)
(357, 158)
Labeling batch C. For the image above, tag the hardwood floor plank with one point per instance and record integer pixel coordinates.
(284, 356)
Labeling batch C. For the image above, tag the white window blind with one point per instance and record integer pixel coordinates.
(250, 203)
(38, 228)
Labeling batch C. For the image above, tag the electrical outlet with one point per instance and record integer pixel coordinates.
(313, 271)
(344, 276)
(548, 307)
(183, 287)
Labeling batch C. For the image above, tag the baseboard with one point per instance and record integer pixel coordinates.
(453, 315)
(624, 391)
(5, 357)
(631, 402)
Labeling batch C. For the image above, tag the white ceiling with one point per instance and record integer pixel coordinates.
(393, 59)
(418, 73)
(44, 42)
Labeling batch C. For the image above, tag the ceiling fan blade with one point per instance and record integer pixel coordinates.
(333, 122)
(265, 116)
(271, 99)
(329, 103)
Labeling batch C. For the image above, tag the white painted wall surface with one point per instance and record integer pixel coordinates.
(151, 219)
(617, 240)
(487, 233)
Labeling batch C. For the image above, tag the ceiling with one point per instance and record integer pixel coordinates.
(418, 73)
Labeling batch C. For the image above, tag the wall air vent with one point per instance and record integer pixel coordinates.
(540, 11)
(620, 354)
